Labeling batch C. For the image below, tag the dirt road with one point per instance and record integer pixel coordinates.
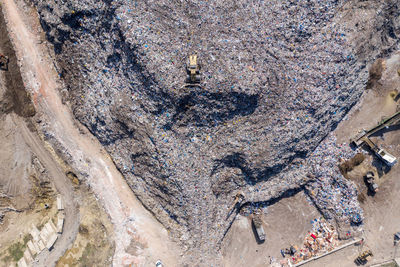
(134, 226)
(12, 86)
(63, 186)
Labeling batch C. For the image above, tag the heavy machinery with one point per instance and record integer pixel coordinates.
(289, 251)
(370, 180)
(3, 62)
(396, 238)
(364, 257)
(382, 154)
(193, 72)
(358, 140)
(239, 198)
(257, 222)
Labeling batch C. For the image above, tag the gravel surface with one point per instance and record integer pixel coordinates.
(277, 77)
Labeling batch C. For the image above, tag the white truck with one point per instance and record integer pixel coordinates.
(386, 157)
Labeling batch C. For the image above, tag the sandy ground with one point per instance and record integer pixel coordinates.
(286, 222)
(131, 221)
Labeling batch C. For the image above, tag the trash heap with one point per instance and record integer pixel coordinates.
(277, 76)
(335, 196)
(321, 239)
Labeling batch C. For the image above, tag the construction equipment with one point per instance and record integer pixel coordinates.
(257, 222)
(364, 257)
(3, 62)
(239, 198)
(289, 251)
(387, 158)
(396, 238)
(359, 139)
(370, 180)
(193, 72)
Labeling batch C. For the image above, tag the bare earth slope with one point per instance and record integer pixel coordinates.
(139, 238)
(277, 78)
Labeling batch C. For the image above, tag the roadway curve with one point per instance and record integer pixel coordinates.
(63, 186)
(131, 221)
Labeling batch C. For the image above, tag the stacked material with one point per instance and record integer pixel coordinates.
(41, 240)
(321, 239)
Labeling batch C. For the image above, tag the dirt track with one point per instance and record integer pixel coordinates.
(64, 187)
(133, 225)
(19, 102)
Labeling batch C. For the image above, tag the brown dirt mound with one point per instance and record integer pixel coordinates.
(16, 98)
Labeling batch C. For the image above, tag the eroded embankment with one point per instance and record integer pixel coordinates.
(16, 98)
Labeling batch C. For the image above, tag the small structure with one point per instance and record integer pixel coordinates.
(22, 263)
(41, 245)
(28, 256)
(32, 247)
(35, 233)
(60, 203)
(52, 239)
(60, 224)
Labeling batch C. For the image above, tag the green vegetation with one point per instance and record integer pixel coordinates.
(391, 264)
(16, 251)
(40, 226)
(88, 255)
(27, 237)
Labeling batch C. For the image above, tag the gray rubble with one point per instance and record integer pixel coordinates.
(278, 76)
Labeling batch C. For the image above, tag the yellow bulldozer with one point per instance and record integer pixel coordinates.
(364, 257)
(193, 72)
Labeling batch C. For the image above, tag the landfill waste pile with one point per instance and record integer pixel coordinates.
(277, 77)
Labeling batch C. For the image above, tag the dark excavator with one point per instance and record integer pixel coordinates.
(3, 62)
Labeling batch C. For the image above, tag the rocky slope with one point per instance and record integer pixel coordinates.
(277, 78)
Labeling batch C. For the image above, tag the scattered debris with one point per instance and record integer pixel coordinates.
(321, 239)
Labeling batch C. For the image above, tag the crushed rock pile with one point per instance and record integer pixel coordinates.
(277, 78)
